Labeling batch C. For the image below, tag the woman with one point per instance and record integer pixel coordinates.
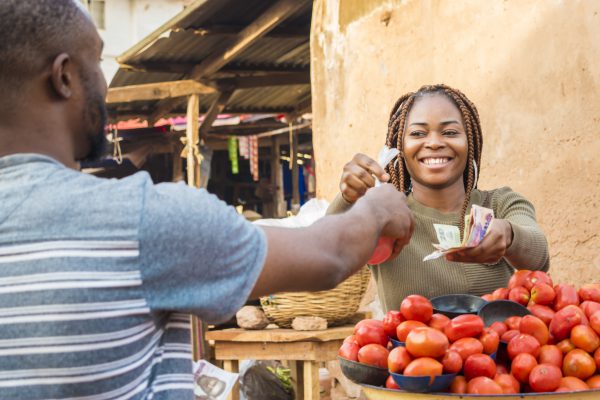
(438, 134)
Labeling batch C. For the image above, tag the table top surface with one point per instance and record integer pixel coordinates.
(279, 335)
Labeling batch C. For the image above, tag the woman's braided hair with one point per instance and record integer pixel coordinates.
(396, 130)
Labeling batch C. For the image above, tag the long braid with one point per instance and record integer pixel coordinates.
(396, 130)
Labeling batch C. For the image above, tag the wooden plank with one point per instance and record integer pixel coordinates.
(268, 20)
(215, 109)
(273, 79)
(279, 335)
(233, 366)
(279, 205)
(295, 170)
(311, 380)
(232, 67)
(191, 133)
(156, 91)
(315, 351)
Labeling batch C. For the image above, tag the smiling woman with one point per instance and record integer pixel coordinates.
(438, 134)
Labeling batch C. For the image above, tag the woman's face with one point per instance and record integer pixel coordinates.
(435, 142)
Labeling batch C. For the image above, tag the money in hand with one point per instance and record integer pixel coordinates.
(477, 224)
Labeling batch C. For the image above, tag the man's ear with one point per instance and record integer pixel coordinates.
(61, 77)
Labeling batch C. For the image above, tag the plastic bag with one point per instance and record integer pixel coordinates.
(311, 211)
(262, 380)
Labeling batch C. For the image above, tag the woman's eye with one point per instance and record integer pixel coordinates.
(417, 133)
(450, 133)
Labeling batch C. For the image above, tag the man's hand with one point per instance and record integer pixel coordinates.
(358, 176)
(492, 248)
(390, 205)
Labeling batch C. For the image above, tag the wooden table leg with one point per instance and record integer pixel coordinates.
(233, 366)
(296, 375)
(311, 380)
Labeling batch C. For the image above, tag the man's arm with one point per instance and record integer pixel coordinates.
(322, 255)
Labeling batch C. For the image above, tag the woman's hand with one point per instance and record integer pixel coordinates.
(358, 177)
(492, 248)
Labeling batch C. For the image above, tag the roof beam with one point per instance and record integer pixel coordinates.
(233, 30)
(156, 91)
(185, 68)
(266, 22)
(215, 109)
(246, 82)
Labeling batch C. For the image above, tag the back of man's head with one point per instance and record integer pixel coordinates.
(32, 34)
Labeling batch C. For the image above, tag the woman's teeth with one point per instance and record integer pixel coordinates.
(434, 161)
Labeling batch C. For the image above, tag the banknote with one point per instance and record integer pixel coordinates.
(477, 224)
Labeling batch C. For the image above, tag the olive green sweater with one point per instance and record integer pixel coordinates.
(408, 274)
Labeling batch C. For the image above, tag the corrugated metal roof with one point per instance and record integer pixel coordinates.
(206, 27)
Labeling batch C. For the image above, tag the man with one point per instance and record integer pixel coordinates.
(95, 274)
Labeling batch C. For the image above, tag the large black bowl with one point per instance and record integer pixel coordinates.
(363, 373)
(453, 305)
(499, 310)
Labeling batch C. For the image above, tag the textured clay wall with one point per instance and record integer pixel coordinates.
(531, 67)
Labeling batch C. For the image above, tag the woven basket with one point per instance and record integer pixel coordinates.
(336, 305)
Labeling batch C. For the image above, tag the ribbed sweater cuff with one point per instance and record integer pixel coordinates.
(523, 245)
(338, 205)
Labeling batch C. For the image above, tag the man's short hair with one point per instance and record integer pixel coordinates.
(32, 34)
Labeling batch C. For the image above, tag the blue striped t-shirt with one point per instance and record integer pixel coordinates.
(97, 277)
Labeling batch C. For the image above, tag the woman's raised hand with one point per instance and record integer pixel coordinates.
(492, 248)
(359, 175)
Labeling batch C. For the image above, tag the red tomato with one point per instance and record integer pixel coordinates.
(488, 297)
(452, 362)
(426, 342)
(572, 383)
(565, 295)
(398, 359)
(536, 278)
(459, 385)
(542, 294)
(589, 307)
(565, 346)
(512, 323)
(579, 364)
(594, 382)
(545, 378)
(490, 341)
(349, 351)
(483, 385)
(590, 292)
(521, 366)
(518, 278)
(479, 365)
(535, 327)
(370, 322)
(501, 369)
(584, 338)
(499, 327)
(466, 347)
(416, 308)
(500, 294)
(405, 327)
(551, 354)
(597, 358)
(565, 319)
(368, 334)
(391, 320)
(350, 339)
(519, 295)
(439, 321)
(523, 343)
(390, 383)
(424, 366)
(508, 383)
(373, 354)
(509, 335)
(595, 322)
(467, 325)
(544, 313)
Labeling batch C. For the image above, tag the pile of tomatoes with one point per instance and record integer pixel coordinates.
(555, 349)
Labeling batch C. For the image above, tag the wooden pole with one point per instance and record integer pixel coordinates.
(295, 170)
(276, 178)
(191, 133)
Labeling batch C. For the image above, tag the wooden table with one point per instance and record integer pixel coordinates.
(304, 351)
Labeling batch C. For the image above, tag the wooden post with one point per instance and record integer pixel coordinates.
(295, 170)
(191, 133)
(277, 178)
(193, 179)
